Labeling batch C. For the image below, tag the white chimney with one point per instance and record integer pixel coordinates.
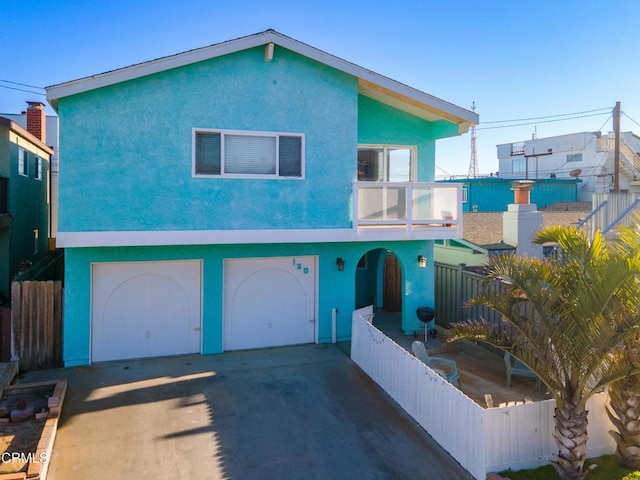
(522, 221)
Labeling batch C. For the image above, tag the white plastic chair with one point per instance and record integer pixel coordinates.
(420, 351)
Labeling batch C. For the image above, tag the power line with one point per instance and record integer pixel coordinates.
(21, 84)
(445, 172)
(22, 90)
(545, 121)
(586, 145)
(631, 119)
(548, 116)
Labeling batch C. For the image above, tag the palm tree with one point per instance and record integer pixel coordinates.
(624, 412)
(555, 317)
(624, 403)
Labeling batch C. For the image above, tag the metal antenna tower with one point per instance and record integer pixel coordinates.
(473, 165)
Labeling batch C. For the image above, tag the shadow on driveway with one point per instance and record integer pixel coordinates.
(292, 412)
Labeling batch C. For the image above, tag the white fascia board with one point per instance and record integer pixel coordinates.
(74, 87)
(381, 80)
(200, 237)
(225, 237)
(55, 92)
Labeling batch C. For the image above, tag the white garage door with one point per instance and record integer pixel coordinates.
(145, 309)
(269, 302)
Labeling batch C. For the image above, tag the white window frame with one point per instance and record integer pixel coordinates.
(247, 133)
(521, 163)
(23, 162)
(38, 165)
(414, 156)
(465, 195)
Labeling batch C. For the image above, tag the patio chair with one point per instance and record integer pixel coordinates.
(420, 351)
(515, 367)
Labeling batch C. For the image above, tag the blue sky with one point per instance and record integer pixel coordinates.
(515, 59)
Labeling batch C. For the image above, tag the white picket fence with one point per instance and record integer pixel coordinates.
(481, 440)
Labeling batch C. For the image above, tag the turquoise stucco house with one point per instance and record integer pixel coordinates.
(243, 195)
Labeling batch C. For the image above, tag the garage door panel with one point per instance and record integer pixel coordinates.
(269, 302)
(145, 309)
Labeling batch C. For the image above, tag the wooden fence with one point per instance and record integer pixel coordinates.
(481, 440)
(36, 321)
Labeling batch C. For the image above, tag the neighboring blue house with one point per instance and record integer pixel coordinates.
(493, 194)
(244, 195)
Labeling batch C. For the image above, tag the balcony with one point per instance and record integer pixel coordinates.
(407, 211)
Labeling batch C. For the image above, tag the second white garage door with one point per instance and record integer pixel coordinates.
(145, 309)
(269, 302)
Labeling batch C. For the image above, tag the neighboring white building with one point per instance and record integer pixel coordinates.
(52, 135)
(586, 155)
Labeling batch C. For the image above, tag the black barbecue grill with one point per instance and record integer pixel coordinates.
(427, 315)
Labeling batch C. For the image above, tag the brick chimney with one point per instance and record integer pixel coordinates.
(37, 121)
(522, 220)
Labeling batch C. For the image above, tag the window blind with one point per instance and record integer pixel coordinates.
(249, 154)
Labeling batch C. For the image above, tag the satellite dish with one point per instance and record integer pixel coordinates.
(575, 173)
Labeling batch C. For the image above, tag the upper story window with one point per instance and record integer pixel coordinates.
(245, 154)
(38, 166)
(519, 165)
(574, 157)
(23, 162)
(386, 163)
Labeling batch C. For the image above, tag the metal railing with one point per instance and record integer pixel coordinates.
(631, 158)
(624, 219)
(611, 210)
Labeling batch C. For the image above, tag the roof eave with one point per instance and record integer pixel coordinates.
(447, 111)
(18, 130)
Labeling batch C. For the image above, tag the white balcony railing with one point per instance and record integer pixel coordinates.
(412, 210)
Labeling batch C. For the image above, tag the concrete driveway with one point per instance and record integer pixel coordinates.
(293, 412)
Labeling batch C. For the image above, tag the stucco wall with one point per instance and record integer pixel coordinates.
(128, 167)
(128, 147)
(382, 124)
(494, 194)
(335, 289)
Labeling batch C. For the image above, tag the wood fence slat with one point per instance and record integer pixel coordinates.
(27, 325)
(16, 314)
(36, 320)
(57, 323)
(47, 352)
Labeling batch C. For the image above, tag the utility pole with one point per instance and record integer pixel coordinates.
(616, 149)
(473, 165)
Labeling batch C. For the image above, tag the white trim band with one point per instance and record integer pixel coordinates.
(225, 237)
(201, 237)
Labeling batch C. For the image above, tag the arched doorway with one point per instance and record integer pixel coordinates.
(391, 284)
(379, 282)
